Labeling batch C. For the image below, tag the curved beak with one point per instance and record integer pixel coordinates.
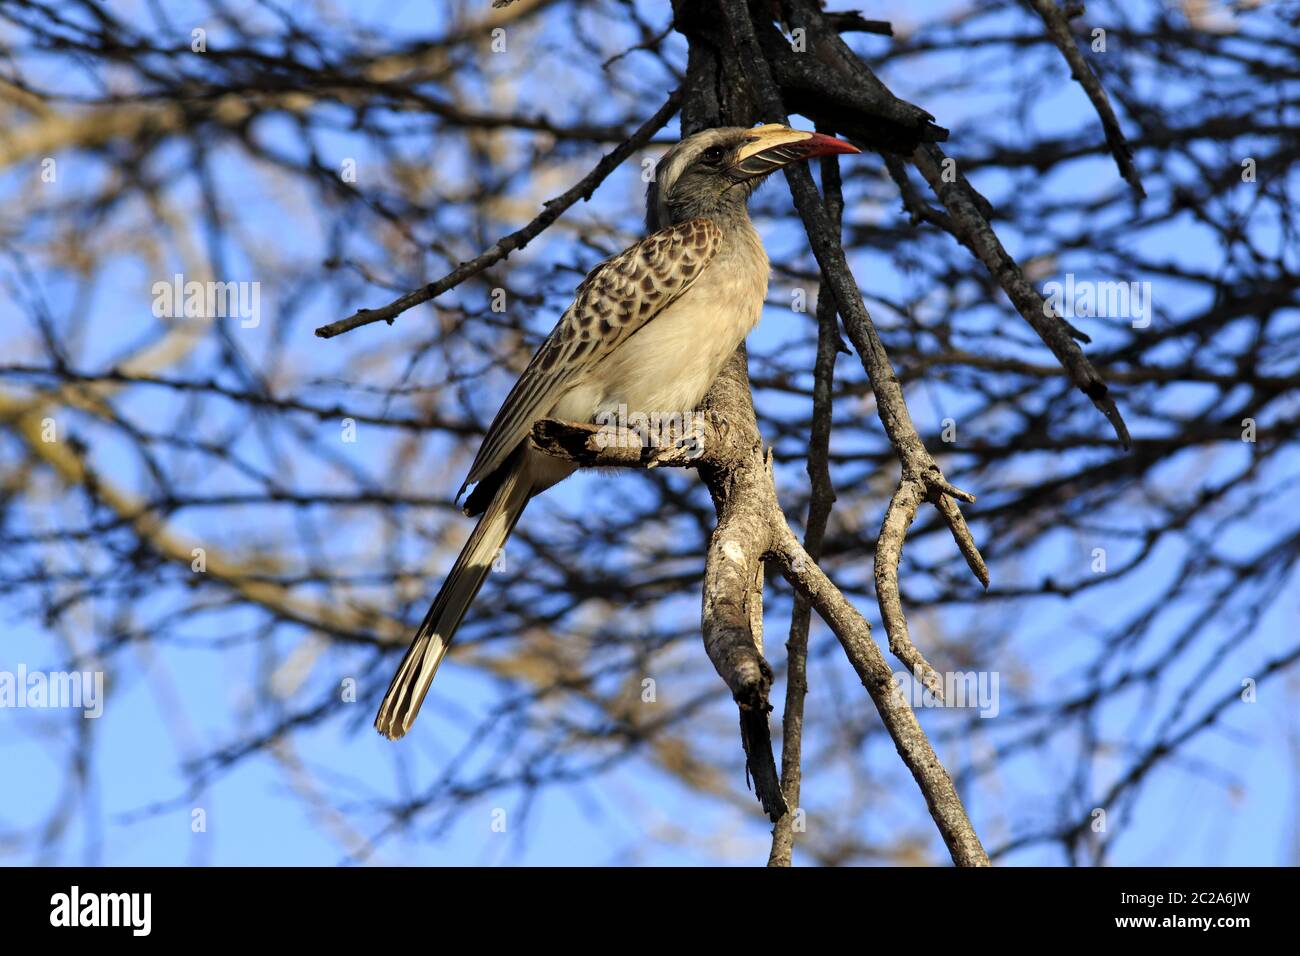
(773, 146)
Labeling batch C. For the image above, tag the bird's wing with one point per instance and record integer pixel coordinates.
(619, 296)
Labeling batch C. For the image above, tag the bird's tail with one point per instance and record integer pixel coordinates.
(411, 682)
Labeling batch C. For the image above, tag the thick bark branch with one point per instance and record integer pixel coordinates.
(596, 446)
(731, 614)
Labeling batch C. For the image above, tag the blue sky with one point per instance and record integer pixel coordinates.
(254, 814)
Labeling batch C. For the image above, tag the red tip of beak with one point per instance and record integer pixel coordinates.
(823, 145)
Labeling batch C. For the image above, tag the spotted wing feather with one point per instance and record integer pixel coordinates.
(616, 298)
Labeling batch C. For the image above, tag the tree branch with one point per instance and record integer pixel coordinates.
(820, 501)
(854, 634)
(974, 232)
(920, 472)
(503, 247)
(1058, 31)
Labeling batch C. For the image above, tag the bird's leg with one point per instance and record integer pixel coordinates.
(691, 438)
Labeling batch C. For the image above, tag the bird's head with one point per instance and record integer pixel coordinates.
(714, 172)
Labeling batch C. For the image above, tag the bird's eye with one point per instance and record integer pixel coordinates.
(713, 154)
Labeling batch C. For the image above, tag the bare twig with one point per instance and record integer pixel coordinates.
(974, 232)
(553, 209)
(854, 634)
(850, 21)
(1057, 22)
(821, 499)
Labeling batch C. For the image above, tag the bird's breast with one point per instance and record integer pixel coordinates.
(667, 366)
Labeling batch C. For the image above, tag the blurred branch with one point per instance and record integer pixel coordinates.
(1169, 569)
(1057, 22)
(554, 208)
(973, 230)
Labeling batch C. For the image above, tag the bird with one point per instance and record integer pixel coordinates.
(648, 331)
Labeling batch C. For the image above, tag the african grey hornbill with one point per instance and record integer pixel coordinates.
(649, 330)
